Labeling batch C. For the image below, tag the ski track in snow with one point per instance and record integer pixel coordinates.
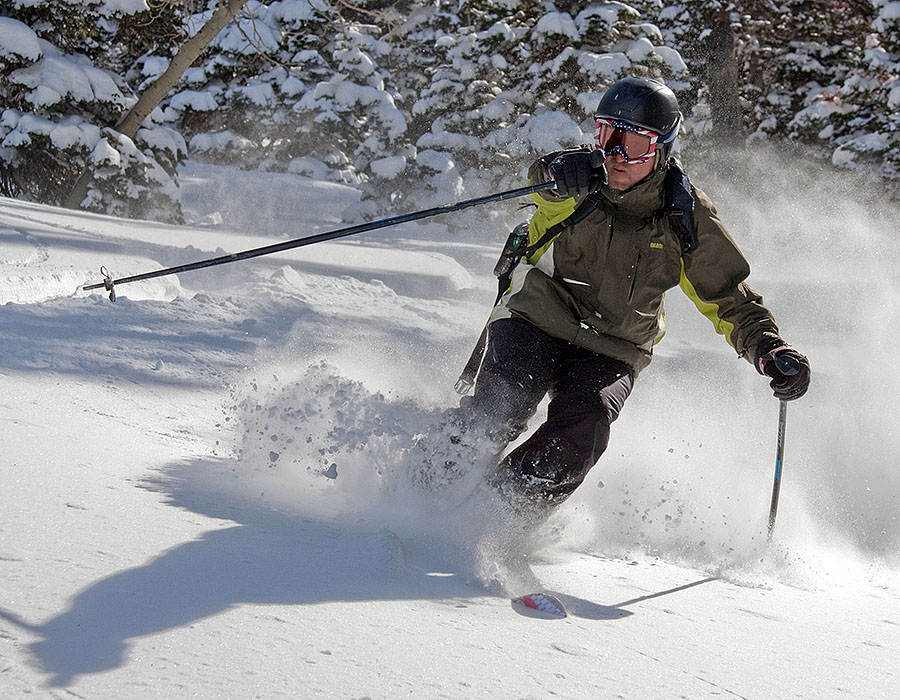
(37, 254)
(210, 487)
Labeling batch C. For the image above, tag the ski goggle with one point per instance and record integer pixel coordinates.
(634, 144)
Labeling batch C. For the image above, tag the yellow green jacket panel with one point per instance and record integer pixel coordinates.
(601, 282)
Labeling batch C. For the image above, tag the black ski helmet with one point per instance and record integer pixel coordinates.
(646, 103)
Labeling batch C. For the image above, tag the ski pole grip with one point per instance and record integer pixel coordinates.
(787, 365)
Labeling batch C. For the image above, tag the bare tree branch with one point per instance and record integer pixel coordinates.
(189, 52)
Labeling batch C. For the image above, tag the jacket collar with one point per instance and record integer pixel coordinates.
(642, 199)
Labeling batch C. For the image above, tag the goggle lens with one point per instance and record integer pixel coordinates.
(634, 144)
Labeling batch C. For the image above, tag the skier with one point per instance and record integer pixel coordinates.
(584, 306)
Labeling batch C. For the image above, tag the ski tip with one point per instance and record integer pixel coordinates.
(539, 605)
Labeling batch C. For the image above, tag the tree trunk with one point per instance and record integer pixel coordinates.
(189, 52)
(723, 78)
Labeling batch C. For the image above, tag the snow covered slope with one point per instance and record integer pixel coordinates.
(203, 490)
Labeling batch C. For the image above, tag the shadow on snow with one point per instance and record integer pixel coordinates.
(267, 558)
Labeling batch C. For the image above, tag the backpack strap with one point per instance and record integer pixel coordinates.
(517, 248)
(679, 207)
(514, 250)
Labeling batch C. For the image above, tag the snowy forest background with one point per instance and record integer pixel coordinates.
(422, 99)
(206, 485)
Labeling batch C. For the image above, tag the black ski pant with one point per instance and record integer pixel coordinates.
(521, 365)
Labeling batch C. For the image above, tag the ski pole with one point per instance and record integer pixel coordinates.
(787, 366)
(779, 457)
(109, 283)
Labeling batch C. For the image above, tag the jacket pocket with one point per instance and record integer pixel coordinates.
(658, 269)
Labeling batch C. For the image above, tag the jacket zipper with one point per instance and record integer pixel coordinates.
(634, 270)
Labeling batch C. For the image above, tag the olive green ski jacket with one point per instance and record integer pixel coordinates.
(601, 282)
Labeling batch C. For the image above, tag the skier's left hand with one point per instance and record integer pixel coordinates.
(788, 369)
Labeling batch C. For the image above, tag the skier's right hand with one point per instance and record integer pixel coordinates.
(578, 173)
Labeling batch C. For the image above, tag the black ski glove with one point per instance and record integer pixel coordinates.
(788, 369)
(578, 173)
